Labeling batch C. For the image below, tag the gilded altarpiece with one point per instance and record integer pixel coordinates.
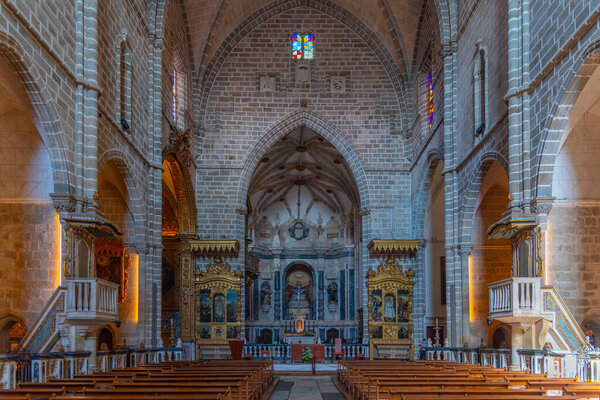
(390, 306)
(217, 295)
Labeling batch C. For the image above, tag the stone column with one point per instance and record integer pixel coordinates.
(277, 277)
(365, 261)
(320, 290)
(454, 305)
(518, 104)
(87, 100)
(462, 274)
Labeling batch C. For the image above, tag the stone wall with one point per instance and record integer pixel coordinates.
(239, 115)
(28, 258)
(574, 262)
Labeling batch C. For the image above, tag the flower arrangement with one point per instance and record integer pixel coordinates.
(306, 355)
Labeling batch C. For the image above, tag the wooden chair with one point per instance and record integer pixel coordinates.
(338, 351)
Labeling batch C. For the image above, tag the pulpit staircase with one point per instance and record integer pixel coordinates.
(79, 301)
(524, 301)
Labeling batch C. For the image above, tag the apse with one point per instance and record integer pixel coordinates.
(302, 230)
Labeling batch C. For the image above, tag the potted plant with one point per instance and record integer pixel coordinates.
(306, 355)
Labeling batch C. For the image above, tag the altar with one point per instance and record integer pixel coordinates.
(291, 338)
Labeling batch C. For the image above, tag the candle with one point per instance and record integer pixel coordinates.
(436, 322)
(171, 321)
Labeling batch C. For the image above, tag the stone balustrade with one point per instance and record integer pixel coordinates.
(92, 299)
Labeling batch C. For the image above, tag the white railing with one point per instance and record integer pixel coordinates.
(43, 366)
(515, 297)
(92, 299)
(283, 352)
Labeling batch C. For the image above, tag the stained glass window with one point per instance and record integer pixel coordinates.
(303, 46)
(174, 88)
(430, 99)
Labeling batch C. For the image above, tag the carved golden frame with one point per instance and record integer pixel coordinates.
(218, 278)
(390, 278)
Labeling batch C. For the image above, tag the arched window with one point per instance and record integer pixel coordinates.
(480, 91)
(174, 89)
(425, 91)
(178, 89)
(303, 46)
(430, 99)
(125, 84)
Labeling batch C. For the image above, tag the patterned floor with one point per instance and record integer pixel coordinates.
(306, 387)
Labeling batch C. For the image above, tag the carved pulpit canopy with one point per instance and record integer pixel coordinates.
(526, 241)
(82, 234)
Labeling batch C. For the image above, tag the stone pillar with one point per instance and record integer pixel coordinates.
(463, 325)
(277, 277)
(319, 282)
(516, 344)
(518, 104)
(89, 99)
(152, 266)
(419, 306)
(363, 256)
(454, 304)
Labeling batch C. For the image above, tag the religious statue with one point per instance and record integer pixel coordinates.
(299, 305)
(389, 309)
(265, 293)
(589, 333)
(299, 293)
(219, 308)
(332, 292)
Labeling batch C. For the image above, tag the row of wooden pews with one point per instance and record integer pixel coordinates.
(186, 380)
(421, 380)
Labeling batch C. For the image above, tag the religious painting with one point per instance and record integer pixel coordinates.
(232, 332)
(404, 306)
(376, 307)
(403, 332)
(376, 332)
(205, 306)
(232, 305)
(299, 292)
(205, 331)
(389, 308)
(219, 308)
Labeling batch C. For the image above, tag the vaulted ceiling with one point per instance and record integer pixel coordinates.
(395, 22)
(304, 161)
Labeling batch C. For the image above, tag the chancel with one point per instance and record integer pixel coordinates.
(386, 188)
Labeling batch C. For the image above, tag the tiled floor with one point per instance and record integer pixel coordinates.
(306, 387)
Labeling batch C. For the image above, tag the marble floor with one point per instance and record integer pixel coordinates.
(306, 387)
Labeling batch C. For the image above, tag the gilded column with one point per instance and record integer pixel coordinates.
(186, 284)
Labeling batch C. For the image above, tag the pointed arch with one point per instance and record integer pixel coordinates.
(184, 195)
(45, 115)
(469, 204)
(287, 125)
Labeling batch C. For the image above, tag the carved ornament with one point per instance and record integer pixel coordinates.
(393, 247)
(180, 144)
(215, 248)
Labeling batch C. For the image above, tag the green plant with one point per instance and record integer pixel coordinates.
(309, 333)
(306, 355)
